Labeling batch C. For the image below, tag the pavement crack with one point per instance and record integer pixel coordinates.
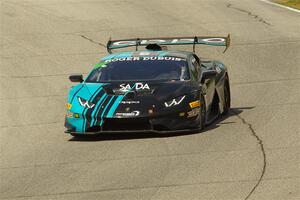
(260, 142)
(256, 17)
(93, 41)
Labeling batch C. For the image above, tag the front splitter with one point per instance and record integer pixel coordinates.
(133, 131)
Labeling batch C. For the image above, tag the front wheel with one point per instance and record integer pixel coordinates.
(202, 119)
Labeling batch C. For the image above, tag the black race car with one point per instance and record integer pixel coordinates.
(153, 90)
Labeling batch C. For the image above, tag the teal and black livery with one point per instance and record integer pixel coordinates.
(151, 90)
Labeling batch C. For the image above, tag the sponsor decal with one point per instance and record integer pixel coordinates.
(193, 112)
(174, 102)
(195, 104)
(123, 59)
(129, 102)
(144, 59)
(131, 114)
(169, 41)
(84, 103)
(137, 86)
(213, 40)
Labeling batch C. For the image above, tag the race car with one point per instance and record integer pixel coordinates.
(149, 90)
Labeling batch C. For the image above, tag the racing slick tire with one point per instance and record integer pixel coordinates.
(202, 115)
(226, 96)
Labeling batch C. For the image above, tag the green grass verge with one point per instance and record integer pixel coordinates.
(290, 3)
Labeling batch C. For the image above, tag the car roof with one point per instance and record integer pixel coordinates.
(147, 53)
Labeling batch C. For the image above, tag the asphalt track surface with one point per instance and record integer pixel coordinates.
(253, 153)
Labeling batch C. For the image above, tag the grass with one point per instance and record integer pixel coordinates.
(290, 3)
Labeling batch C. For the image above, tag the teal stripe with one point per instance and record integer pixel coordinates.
(105, 110)
(99, 109)
(114, 106)
(99, 103)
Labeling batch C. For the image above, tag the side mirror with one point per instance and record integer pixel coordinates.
(76, 78)
(206, 75)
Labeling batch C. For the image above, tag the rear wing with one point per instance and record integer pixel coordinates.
(212, 41)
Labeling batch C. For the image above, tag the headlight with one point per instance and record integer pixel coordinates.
(85, 103)
(174, 102)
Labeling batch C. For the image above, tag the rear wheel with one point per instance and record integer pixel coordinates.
(226, 97)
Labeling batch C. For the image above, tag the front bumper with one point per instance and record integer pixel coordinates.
(138, 125)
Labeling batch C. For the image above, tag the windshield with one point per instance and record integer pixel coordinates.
(140, 68)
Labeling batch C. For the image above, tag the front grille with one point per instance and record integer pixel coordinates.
(126, 124)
